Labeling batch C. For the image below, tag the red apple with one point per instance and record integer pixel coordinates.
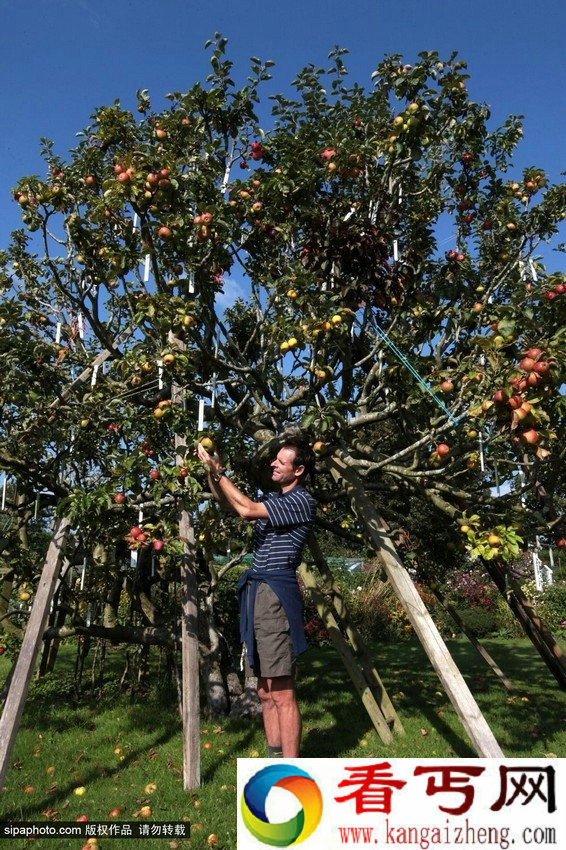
(447, 386)
(560, 288)
(115, 813)
(527, 364)
(155, 474)
(82, 819)
(442, 449)
(118, 168)
(183, 472)
(164, 232)
(136, 531)
(541, 367)
(158, 545)
(119, 498)
(550, 295)
(533, 379)
(142, 538)
(535, 353)
(90, 180)
(2, 650)
(124, 177)
(531, 437)
(561, 542)
(164, 173)
(515, 401)
(500, 397)
(328, 153)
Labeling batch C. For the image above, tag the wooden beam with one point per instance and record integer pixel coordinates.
(460, 696)
(354, 638)
(507, 683)
(14, 705)
(189, 620)
(347, 656)
(190, 655)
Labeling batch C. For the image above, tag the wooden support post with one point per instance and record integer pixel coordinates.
(347, 656)
(474, 641)
(190, 656)
(14, 705)
(452, 680)
(189, 624)
(363, 657)
(534, 627)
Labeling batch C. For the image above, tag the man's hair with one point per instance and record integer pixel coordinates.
(303, 456)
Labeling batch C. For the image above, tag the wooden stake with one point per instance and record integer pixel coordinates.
(346, 655)
(474, 641)
(362, 655)
(474, 722)
(14, 706)
(189, 623)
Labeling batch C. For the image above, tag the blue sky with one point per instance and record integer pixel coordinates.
(63, 58)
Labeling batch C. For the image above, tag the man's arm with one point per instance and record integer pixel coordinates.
(243, 506)
(219, 496)
(225, 490)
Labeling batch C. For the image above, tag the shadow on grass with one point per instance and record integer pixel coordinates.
(533, 713)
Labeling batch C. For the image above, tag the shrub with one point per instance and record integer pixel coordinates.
(551, 606)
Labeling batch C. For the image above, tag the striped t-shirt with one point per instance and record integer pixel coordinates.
(278, 540)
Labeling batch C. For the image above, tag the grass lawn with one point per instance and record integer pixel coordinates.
(77, 742)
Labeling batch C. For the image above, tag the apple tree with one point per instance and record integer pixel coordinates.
(396, 310)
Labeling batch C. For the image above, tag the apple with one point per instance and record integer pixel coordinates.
(212, 839)
(115, 813)
(494, 540)
(164, 232)
(90, 180)
(155, 474)
(465, 529)
(119, 499)
(142, 538)
(561, 542)
(336, 319)
(472, 434)
(550, 295)
(467, 157)
(292, 293)
(533, 379)
(328, 153)
(159, 412)
(80, 791)
(82, 819)
(319, 447)
(526, 406)
(147, 367)
(447, 386)
(150, 788)
(145, 811)
(152, 179)
(527, 363)
(207, 444)
(123, 177)
(560, 288)
(135, 532)
(183, 472)
(118, 168)
(24, 595)
(442, 449)
(500, 397)
(531, 437)
(168, 359)
(477, 307)
(515, 401)
(160, 133)
(284, 347)
(158, 545)
(292, 343)
(541, 367)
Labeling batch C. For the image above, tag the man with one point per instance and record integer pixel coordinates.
(271, 610)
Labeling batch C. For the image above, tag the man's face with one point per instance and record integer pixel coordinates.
(282, 470)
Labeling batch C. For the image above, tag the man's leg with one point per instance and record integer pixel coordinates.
(270, 714)
(284, 696)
